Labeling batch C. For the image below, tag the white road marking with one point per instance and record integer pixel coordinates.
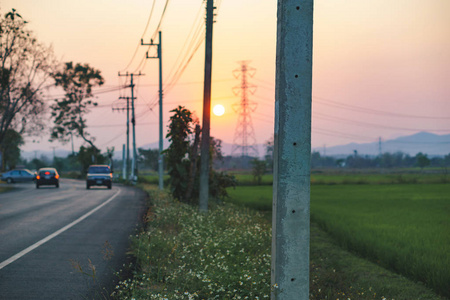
(55, 234)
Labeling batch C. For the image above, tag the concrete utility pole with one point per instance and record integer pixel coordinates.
(161, 138)
(124, 167)
(126, 160)
(204, 148)
(71, 138)
(379, 146)
(133, 122)
(292, 151)
(53, 153)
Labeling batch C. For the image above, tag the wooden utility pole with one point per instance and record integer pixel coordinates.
(161, 138)
(292, 151)
(204, 148)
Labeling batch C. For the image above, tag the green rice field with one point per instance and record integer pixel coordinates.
(354, 177)
(402, 227)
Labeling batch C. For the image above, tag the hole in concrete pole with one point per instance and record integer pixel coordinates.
(292, 279)
(298, 7)
(295, 144)
(293, 211)
(296, 76)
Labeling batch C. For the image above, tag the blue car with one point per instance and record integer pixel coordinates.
(99, 175)
(22, 175)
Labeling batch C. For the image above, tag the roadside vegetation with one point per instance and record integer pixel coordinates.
(382, 240)
(184, 254)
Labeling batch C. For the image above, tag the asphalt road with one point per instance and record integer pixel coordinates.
(48, 235)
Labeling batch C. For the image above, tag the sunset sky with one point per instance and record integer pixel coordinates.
(380, 68)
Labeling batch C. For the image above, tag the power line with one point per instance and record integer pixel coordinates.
(98, 92)
(341, 134)
(196, 38)
(370, 125)
(148, 20)
(119, 125)
(266, 83)
(371, 111)
(113, 139)
(197, 20)
(413, 142)
(188, 55)
(160, 20)
(139, 44)
(192, 43)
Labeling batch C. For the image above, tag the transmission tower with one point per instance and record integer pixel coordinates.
(244, 136)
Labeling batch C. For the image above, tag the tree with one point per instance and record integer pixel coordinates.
(270, 144)
(88, 156)
(183, 159)
(110, 155)
(60, 164)
(422, 160)
(37, 163)
(25, 66)
(148, 158)
(181, 126)
(69, 113)
(10, 149)
(258, 170)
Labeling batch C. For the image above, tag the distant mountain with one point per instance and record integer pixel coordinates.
(428, 143)
(425, 142)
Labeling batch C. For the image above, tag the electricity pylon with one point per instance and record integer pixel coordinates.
(244, 136)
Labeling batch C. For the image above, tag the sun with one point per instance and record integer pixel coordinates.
(219, 110)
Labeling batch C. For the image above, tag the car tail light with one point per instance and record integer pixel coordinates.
(38, 177)
(47, 173)
(56, 176)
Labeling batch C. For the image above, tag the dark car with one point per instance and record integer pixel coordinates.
(22, 175)
(99, 175)
(47, 176)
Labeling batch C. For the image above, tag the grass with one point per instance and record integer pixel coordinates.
(226, 255)
(404, 228)
(339, 176)
(248, 179)
(255, 197)
(339, 274)
(379, 178)
(152, 178)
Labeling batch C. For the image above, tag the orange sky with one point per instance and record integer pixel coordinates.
(370, 57)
